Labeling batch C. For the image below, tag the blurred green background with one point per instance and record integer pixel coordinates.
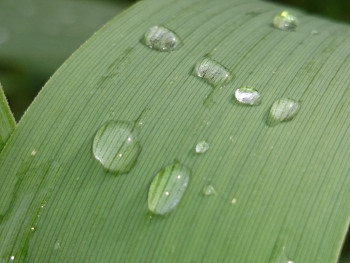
(37, 36)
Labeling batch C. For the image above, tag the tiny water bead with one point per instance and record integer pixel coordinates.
(283, 110)
(209, 190)
(285, 21)
(212, 72)
(116, 146)
(279, 255)
(161, 39)
(247, 95)
(167, 188)
(202, 147)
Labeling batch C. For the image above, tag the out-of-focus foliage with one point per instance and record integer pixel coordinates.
(37, 36)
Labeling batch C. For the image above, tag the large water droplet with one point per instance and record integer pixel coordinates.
(282, 110)
(209, 190)
(202, 147)
(285, 21)
(116, 146)
(161, 39)
(213, 72)
(247, 95)
(167, 188)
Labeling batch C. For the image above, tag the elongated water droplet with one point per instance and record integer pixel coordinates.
(116, 146)
(247, 95)
(167, 188)
(202, 147)
(161, 39)
(282, 110)
(211, 71)
(285, 21)
(209, 190)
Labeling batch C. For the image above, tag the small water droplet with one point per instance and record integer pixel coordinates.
(315, 32)
(209, 190)
(12, 258)
(285, 21)
(57, 245)
(233, 201)
(279, 255)
(247, 95)
(32, 228)
(282, 110)
(212, 72)
(116, 146)
(33, 153)
(202, 147)
(167, 188)
(161, 39)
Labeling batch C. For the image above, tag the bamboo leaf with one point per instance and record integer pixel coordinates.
(281, 192)
(6, 119)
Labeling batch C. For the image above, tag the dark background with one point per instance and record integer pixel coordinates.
(28, 56)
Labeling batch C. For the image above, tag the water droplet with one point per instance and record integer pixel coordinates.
(247, 95)
(116, 146)
(32, 228)
(233, 201)
(279, 255)
(167, 188)
(282, 110)
(161, 39)
(315, 32)
(285, 21)
(209, 190)
(202, 147)
(57, 245)
(33, 153)
(214, 73)
(12, 258)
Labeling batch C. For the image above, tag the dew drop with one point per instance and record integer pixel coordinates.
(233, 201)
(57, 245)
(283, 110)
(209, 190)
(247, 95)
(167, 188)
(161, 39)
(33, 153)
(212, 72)
(12, 258)
(279, 255)
(285, 21)
(116, 146)
(315, 32)
(202, 147)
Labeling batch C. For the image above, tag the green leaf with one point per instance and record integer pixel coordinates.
(281, 191)
(6, 119)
